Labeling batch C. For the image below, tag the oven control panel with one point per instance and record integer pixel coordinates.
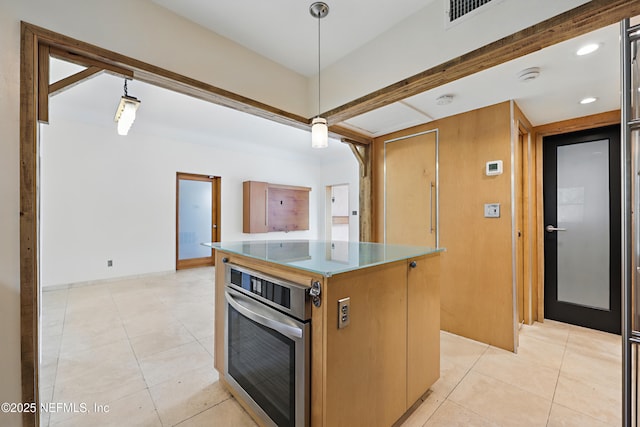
(271, 291)
(288, 297)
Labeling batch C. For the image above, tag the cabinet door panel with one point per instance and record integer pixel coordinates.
(254, 199)
(288, 209)
(423, 322)
(366, 362)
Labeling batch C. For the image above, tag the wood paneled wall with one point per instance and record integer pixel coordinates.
(477, 299)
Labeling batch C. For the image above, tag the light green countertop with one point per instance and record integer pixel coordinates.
(323, 257)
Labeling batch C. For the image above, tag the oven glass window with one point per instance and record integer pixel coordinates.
(262, 361)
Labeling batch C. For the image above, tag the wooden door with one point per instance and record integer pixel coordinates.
(410, 190)
(197, 219)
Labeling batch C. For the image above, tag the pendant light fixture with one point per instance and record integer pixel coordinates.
(319, 129)
(126, 111)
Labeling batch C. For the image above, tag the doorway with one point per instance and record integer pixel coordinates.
(522, 230)
(582, 228)
(197, 219)
(337, 212)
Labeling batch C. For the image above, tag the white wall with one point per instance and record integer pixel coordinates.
(10, 390)
(111, 197)
(423, 41)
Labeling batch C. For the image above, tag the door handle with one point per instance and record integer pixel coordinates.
(550, 228)
(431, 207)
(214, 226)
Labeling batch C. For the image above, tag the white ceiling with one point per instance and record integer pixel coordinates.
(285, 31)
(280, 30)
(565, 78)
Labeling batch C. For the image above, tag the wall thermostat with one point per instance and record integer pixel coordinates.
(494, 167)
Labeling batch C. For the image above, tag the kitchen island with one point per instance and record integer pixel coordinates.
(364, 348)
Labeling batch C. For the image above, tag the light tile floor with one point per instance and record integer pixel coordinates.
(142, 348)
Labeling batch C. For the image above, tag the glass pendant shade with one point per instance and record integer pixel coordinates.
(319, 133)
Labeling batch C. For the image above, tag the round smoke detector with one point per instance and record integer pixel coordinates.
(444, 99)
(529, 74)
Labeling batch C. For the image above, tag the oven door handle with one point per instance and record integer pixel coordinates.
(243, 305)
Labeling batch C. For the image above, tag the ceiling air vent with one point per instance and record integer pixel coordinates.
(460, 8)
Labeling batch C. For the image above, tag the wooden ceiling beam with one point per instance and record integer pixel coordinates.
(348, 135)
(71, 81)
(84, 54)
(84, 61)
(589, 17)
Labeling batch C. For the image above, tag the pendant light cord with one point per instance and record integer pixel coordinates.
(319, 17)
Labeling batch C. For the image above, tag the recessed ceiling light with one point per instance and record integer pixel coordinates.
(588, 100)
(587, 49)
(444, 99)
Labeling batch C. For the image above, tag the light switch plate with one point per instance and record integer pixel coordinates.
(492, 210)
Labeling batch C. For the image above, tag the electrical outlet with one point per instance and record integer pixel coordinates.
(109, 263)
(344, 312)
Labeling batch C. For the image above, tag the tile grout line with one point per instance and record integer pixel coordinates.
(205, 410)
(457, 384)
(155, 408)
(55, 376)
(555, 389)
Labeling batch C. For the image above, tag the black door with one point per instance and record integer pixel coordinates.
(582, 228)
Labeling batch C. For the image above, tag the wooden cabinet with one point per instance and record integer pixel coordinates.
(371, 372)
(273, 207)
(376, 368)
(423, 326)
(365, 363)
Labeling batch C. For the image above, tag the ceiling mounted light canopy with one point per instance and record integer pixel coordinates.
(319, 129)
(126, 111)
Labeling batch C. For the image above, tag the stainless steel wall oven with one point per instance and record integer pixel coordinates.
(267, 343)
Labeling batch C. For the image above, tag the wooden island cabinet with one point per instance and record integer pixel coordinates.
(373, 370)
